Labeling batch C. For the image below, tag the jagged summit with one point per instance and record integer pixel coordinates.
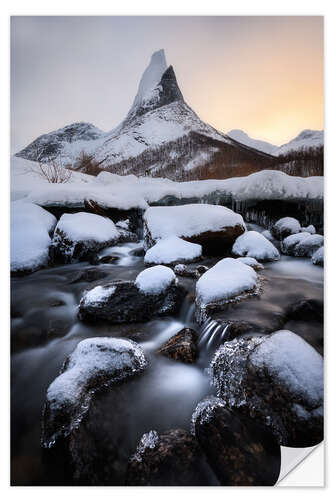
(158, 86)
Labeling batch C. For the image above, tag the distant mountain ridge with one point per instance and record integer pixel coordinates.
(304, 140)
(244, 138)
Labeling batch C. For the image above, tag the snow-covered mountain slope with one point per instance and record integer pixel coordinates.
(305, 140)
(161, 135)
(244, 138)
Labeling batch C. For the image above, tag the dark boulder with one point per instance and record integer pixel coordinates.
(240, 451)
(181, 347)
(123, 301)
(278, 380)
(306, 309)
(172, 458)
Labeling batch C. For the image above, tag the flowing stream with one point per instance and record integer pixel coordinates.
(45, 329)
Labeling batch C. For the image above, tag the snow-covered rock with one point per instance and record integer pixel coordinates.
(290, 242)
(95, 364)
(318, 257)
(240, 451)
(154, 293)
(285, 227)
(302, 244)
(308, 246)
(171, 250)
(30, 228)
(250, 261)
(309, 229)
(214, 227)
(278, 379)
(254, 244)
(155, 280)
(76, 235)
(228, 281)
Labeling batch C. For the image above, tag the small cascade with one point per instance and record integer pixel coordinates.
(186, 314)
(212, 334)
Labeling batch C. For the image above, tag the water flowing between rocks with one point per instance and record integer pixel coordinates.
(45, 329)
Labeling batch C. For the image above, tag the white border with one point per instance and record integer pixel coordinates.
(142, 7)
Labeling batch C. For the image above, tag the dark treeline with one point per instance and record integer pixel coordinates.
(304, 162)
(192, 157)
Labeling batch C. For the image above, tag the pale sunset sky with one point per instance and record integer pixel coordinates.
(263, 75)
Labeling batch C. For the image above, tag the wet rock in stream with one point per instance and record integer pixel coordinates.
(123, 301)
(277, 380)
(97, 364)
(240, 451)
(181, 347)
(172, 458)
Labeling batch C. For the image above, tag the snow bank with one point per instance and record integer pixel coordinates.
(127, 192)
(110, 358)
(155, 280)
(189, 220)
(286, 357)
(227, 279)
(318, 257)
(85, 226)
(30, 240)
(254, 244)
(173, 249)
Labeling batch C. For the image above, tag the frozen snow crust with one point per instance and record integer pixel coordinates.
(95, 364)
(278, 379)
(254, 244)
(31, 226)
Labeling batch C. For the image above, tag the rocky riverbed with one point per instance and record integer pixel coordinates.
(117, 363)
